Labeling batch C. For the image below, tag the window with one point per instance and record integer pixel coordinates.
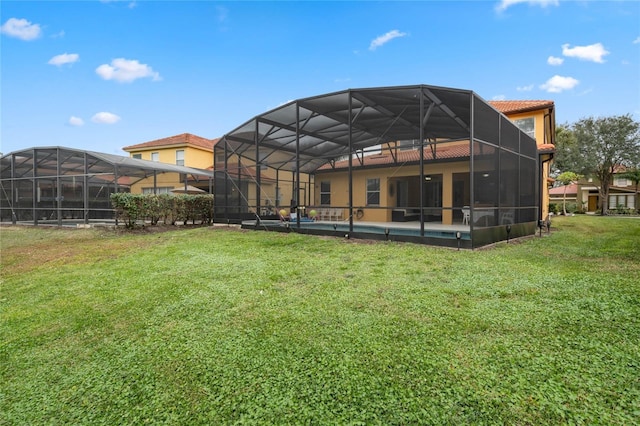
(160, 190)
(527, 125)
(138, 156)
(409, 144)
(623, 201)
(621, 182)
(373, 192)
(325, 193)
(155, 156)
(180, 157)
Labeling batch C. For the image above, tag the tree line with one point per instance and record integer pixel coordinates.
(598, 147)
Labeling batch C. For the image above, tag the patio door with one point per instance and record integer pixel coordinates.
(402, 191)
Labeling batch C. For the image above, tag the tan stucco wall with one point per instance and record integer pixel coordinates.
(193, 157)
(382, 213)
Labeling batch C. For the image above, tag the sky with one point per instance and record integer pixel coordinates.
(102, 75)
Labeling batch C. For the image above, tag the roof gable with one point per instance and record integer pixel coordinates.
(177, 140)
(513, 107)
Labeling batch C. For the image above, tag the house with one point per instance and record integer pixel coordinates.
(190, 150)
(184, 149)
(409, 153)
(583, 196)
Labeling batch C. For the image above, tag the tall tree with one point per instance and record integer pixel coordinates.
(567, 178)
(567, 151)
(605, 145)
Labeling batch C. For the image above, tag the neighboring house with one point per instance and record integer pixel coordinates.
(585, 195)
(190, 150)
(185, 149)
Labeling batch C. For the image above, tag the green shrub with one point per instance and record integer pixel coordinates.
(571, 208)
(131, 208)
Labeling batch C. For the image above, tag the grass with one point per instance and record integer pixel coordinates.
(220, 326)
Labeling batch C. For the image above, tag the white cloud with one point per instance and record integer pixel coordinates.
(21, 28)
(76, 121)
(552, 60)
(499, 98)
(385, 38)
(593, 52)
(527, 88)
(65, 58)
(126, 71)
(557, 84)
(222, 13)
(105, 118)
(505, 4)
(636, 41)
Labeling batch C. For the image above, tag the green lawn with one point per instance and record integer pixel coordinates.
(219, 326)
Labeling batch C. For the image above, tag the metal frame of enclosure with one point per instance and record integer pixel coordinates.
(302, 139)
(57, 185)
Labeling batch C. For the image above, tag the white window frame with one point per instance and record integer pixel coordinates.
(179, 157)
(373, 192)
(324, 194)
(155, 156)
(522, 124)
(159, 190)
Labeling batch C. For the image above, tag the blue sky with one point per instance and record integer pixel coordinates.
(101, 75)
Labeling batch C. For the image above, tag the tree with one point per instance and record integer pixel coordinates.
(567, 178)
(567, 151)
(633, 174)
(604, 145)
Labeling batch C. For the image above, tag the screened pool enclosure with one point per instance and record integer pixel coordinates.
(417, 163)
(56, 185)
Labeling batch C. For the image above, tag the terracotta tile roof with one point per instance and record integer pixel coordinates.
(512, 107)
(547, 147)
(410, 156)
(181, 139)
(244, 172)
(559, 190)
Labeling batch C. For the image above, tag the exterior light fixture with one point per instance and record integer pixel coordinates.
(335, 226)
(386, 233)
(458, 237)
(541, 225)
(485, 175)
(508, 232)
(427, 177)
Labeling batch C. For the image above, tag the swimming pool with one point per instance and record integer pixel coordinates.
(389, 230)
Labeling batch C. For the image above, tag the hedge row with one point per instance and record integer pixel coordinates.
(168, 208)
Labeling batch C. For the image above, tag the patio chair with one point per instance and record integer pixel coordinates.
(466, 215)
(507, 217)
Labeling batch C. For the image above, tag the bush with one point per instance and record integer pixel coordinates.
(131, 208)
(571, 208)
(554, 208)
